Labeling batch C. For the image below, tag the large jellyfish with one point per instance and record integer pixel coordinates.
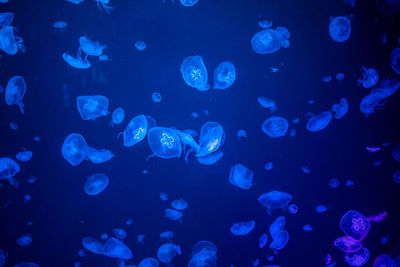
(15, 92)
(319, 121)
(96, 183)
(224, 75)
(6, 18)
(355, 225)
(242, 228)
(114, 248)
(370, 77)
(384, 260)
(194, 73)
(189, 2)
(395, 60)
(10, 43)
(98, 156)
(348, 244)
(241, 176)
(148, 262)
(91, 48)
(93, 245)
(275, 127)
(212, 136)
(135, 131)
(8, 169)
(74, 149)
(164, 143)
(167, 252)
(340, 29)
(358, 258)
(92, 107)
(274, 200)
(340, 109)
(269, 41)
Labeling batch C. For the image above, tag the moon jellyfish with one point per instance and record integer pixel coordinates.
(321, 209)
(384, 261)
(98, 156)
(211, 158)
(275, 127)
(135, 131)
(224, 75)
(293, 209)
(212, 136)
(340, 109)
(279, 240)
(265, 24)
(148, 262)
(114, 248)
(347, 244)
(92, 107)
(140, 45)
(268, 166)
(156, 97)
(241, 176)
(163, 196)
(164, 143)
(118, 116)
(102, 4)
(6, 18)
(278, 225)
(319, 122)
(179, 204)
(60, 25)
(340, 29)
(326, 79)
(24, 240)
(10, 43)
(95, 184)
(307, 228)
(119, 233)
(74, 149)
(24, 156)
(370, 77)
(76, 62)
(339, 76)
(194, 73)
(173, 215)
(140, 239)
(91, 48)
(8, 169)
(334, 183)
(355, 225)
(263, 240)
(189, 2)
(388, 7)
(268, 41)
(274, 200)
(167, 235)
(395, 59)
(93, 245)
(358, 258)
(167, 252)
(204, 246)
(242, 228)
(267, 103)
(15, 92)
(203, 255)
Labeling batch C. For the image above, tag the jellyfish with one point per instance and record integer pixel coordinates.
(347, 244)
(74, 149)
(92, 107)
(118, 116)
(6, 18)
(75, 1)
(384, 260)
(241, 176)
(164, 143)
(96, 183)
(98, 156)
(355, 225)
(211, 158)
(321, 208)
(224, 75)
(275, 127)
(89, 47)
(189, 2)
(119, 233)
(279, 240)
(93, 245)
(140, 239)
(148, 262)
(163, 196)
(307, 228)
(212, 136)
(140, 45)
(265, 24)
(274, 200)
(26, 264)
(388, 7)
(103, 5)
(167, 252)
(15, 92)
(24, 240)
(267, 41)
(24, 156)
(156, 97)
(267, 103)
(340, 109)
(268, 166)
(358, 258)
(263, 240)
(319, 122)
(203, 258)
(277, 226)
(167, 235)
(173, 215)
(114, 248)
(179, 204)
(9, 42)
(135, 131)
(334, 183)
(3, 257)
(327, 79)
(60, 25)
(104, 58)
(76, 62)
(241, 133)
(293, 209)
(242, 228)
(204, 246)
(395, 59)
(370, 77)
(339, 76)
(194, 73)
(340, 29)
(8, 169)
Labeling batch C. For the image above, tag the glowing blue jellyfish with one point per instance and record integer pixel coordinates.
(395, 60)
(211, 158)
(307, 228)
(358, 258)
(163, 196)
(119, 233)
(15, 92)
(269, 41)
(140, 45)
(24, 240)
(279, 240)
(263, 240)
(92, 107)
(179, 204)
(194, 73)
(396, 153)
(283, 31)
(355, 225)
(173, 215)
(347, 244)
(104, 58)
(24, 155)
(95, 184)
(319, 122)
(370, 77)
(26, 264)
(114, 248)
(268, 166)
(277, 226)
(241, 133)
(267, 103)
(118, 116)
(388, 7)
(3, 257)
(211, 138)
(293, 209)
(189, 2)
(339, 76)
(10, 43)
(164, 143)
(265, 24)
(224, 75)
(93, 245)
(75, 1)
(91, 48)
(135, 131)
(242, 228)
(167, 235)
(167, 252)
(98, 156)
(340, 29)
(74, 149)
(140, 239)
(148, 262)
(76, 62)
(274, 200)
(241, 176)
(60, 25)
(326, 79)
(275, 127)
(203, 258)
(384, 260)
(321, 208)
(6, 18)
(340, 109)
(334, 183)
(156, 97)
(204, 246)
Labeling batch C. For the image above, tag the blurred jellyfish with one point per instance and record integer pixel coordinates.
(76, 62)
(307, 228)
(89, 47)
(358, 258)
(164, 143)
(74, 149)
(60, 25)
(395, 60)
(267, 103)
(241, 133)
(148, 262)
(156, 97)
(388, 7)
(268, 166)
(355, 225)
(212, 136)
(211, 158)
(3, 257)
(119, 233)
(347, 244)
(370, 77)
(96, 183)
(114, 248)
(173, 215)
(24, 155)
(384, 261)
(189, 2)
(98, 156)
(279, 240)
(340, 76)
(319, 122)
(15, 91)
(135, 131)
(275, 127)
(242, 228)
(277, 226)
(269, 41)
(306, 169)
(334, 183)
(263, 240)
(92, 107)
(26, 264)
(396, 177)
(140, 45)
(9, 42)
(167, 235)
(326, 79)
(293, 209)
(340, 29)
(163, 196)
(241, 176)
(274, 200)
(265, 24)
(224, 75)
(140, 239)
(194, 73)
(118, 116)
(349, 183)
(321, 209)
(24, 240)
(179, 204)
(167, 252)
(6, 18)
(340, 109)
(27, 198)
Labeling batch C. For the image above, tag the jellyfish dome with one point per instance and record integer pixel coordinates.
(91, 48)
(194, 73)
(241, 176)
(98, 156)
(266, 41)
(167, 252)
(370, 77)
(92, 107)
(358, 258)
(93, 245)
(204, 246)
(148, 262)
(96, 183)
(8, 169)
(388, 7)
(74, 149)
(224, 75)
(275, 127)
(242, 228)
(319, 122)
(114, 248)
(395, 60)
(6, 18)
(118, 116)
(347, 244)
(135, 131)
(355, 225)
(340, 29)
(76, 62)
(15, 92)
(279, 240)
(204, 258)
(164, 143)
(179, 204)
(189, 2)
(275, 200)
(212, 136)
(384, 260)
(10, 43)
(340, 109)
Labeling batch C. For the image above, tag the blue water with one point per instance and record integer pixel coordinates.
(57, 213)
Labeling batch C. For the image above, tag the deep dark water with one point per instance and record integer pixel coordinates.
(217, 30)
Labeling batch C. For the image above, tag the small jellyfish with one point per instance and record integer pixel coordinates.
(9, 42)
(76, 62)
(277, 226)
(370, 77)
(31, 179)
(3, 257)
(275, 200)
(118, 116)
(306, 169)
(267, 103)
(384, 260)
(167, 235)
(163, 196)
(140, 239)
(164, 143)
(224, 75)
(104, 58)
(319, 122)
(173, 215)
(75, 1)
(104, 236)
(129, 221)
(24, 240)
(93, 245)
(385, 240)
(263, 240)
(293, 209)
(82, 253)
(340, 109)
(27, 198)
(280, 240)
(203, 258)
(275, 127)
(156, 97)
(268, 166)
(98, 156)
(349, 183)
(92, 107)
(167, 252)
(388, 7)
(267, 41)
(194, 73)
(241, 133)
(140, 45)
(339, 76)
(91, 48)
(119, 233)
(241, 177)
(179, 204)
(321, 209)
(358, 258)
(60, 25)
(74, 149)
(204, 246)
(265, 24)
(102, 5)
(148, 262)
(340, 29)
(24, 156)
(347, 244)
(15, 92)
(6, 18)
(326, 79)
(373, 149)
(189, 2)
(355, 225)
(292, 132)
(212, 136)
(114, 248)
(396, 152)
(334, 183)
(307, 228)
(136, 131)
(95, 184)
(242, 228)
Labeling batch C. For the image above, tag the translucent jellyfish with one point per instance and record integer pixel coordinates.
(129, 221)
(6, 18)
(167, 252)
(76, 62)
(279, 240)
(60, 25)
(347, 244)
(173, 215)
(267, 103)
(194, 73)
(379, 217)
(140, 45)
(277, 226)
(135, 131)
(95, 184)
(395, 60)
(319, 122)
(307, 228)
(334, 183)
(104, 236)
(355, 225)
(119, 233)
(203, 258)
(373, 149)
(388, 7)
(265, 24)
(283, 31)
(340, 109)
(118, 116)
(10, 43)
(156, 97)
(267, 41)
(167, 235)
(74, 149)
(358, 258)
(140, 239)
(92, 107)
(275, 127)
(98, 156)
(211, 159)
(241, 133)
(8, 169)
(263, 240)
(27, 198)
(148, 262)
(327, 79)
(340, 29)
(305, 169)
(212, 136)
(349, 183)
(104, 58)
(15, 92)
(163, 196)
(24, 240)
(164, 143)
(179, 204)
(396, 177)
(339, 76)
(242, 228)
(370, 77)
(189, 2)
(384, 261)
(114, 248)
(24, 155)
(224, 75)
(26, 264)
(275, 200)
(93, 245)
(293, 209)
(91, 48)
(321, 208)
(241, 176)
(3, 257)
(204, 246)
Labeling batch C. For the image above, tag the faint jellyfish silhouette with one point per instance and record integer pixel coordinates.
(340, 109)
(194, 73)
(277, 225)
(395, 59)
(135, 131)
(8, 169)
(358, 258)
(293, 209)
(163, 196)
(265, 24)
(319, 121)
(204, 246)
(76, 62)
(355, 225)
(274, 200)
(347, 244)
(6, 18)
(334, 183)
(93, 245)
(242, 228)
(92, 107)
(241, 133)
(24, 156)
(263, 240)
(118, 116)
(179, 204)
(60, 25)
(74, 149)
(275, 127)
(9, 42)
(321, 209)
(224, 75)
(167, 252)
(156, 97)
(340, 29)
(350, 3)
(24, 240)
(339, 76)
(173, 215)
(3, 257)
(267, 103)
(280, 240)
(384, 260)
(119, 233)
(15, 92)
(388, 7)
(148, 262)
(164, 143)
(91, 48)
(140, 239)
(241, 176)
(167, 235)
(140, 45)
(327, 79)
(307, 228)
(370, 77)
(95, 184)
(26, 264)
(98, 156)
(268, 166)
(114, 248)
